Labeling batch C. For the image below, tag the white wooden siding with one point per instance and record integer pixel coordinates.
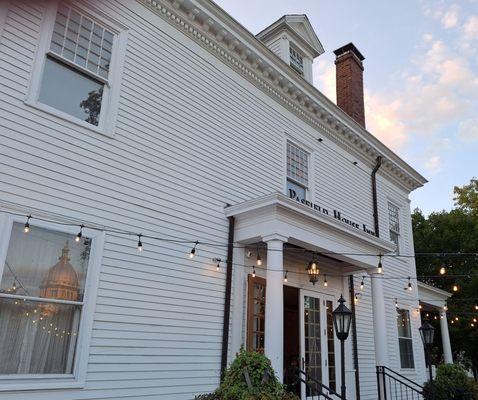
(191, 136)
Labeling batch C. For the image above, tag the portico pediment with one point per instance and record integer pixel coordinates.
(307, 227)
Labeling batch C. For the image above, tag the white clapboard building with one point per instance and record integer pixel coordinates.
(170, 185)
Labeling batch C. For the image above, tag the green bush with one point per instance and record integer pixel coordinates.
(263, 384)
(451, 382)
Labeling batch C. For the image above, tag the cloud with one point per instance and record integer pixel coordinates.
(468, 130)
(470, 28)
(434, 164)
(324, 78)
(450, 18)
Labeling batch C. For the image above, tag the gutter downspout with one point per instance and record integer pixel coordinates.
(227, 296)
(374, 194)
(354, 338)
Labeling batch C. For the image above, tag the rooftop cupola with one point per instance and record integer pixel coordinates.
(293, 39)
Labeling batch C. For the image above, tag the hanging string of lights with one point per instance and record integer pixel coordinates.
(196, 242)
(312, 270)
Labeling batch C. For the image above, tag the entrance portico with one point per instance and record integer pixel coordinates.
(287, 233)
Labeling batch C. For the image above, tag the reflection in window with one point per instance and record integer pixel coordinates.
(78, 95)
(42, 285)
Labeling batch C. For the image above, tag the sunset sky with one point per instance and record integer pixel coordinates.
(421, 77)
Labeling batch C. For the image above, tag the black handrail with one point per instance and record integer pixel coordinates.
(398, 387)
(308, 379)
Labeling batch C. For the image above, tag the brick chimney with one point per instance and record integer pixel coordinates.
(349, 82)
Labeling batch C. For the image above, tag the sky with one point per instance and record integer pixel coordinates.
(420, 78)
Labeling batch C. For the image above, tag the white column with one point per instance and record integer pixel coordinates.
(379, 321)
(445, 338)
(237, 309)
(274, 317)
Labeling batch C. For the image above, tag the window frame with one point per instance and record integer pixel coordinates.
(112, 85)
(251, 281)
(410, 338)
(307, 150)
(77, 379)
(390, 230)
(293, 49)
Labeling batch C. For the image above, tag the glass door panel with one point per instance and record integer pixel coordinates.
(317, 343)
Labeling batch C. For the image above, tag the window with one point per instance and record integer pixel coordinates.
(46, 311)
(256, 304)
(82, 53)
(297, 171)
(405, 341)
(394, 224)
(296, 61)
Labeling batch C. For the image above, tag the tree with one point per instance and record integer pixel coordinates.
(455, 231)
(466, 197)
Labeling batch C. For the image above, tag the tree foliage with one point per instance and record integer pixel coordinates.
(466, 197)
(455, 231)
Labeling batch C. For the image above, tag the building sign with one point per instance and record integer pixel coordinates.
(332, 213)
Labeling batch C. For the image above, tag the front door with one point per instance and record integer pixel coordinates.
(317, 342)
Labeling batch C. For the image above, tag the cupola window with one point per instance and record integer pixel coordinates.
(296, 61)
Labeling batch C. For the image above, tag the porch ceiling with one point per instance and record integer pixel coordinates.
(277, 214)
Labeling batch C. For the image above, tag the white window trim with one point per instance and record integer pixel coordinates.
(412, 337)
(77, 379)
(400, 224)
(112, 85)
(309, 188)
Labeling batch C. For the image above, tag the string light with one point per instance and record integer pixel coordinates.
(253, 271)
(445, 307)
(259, 259)
(474, 320)
(14, 287)
(476, 307)
(456, 318)
(192, 253)
(140, 244)
(325, 281)
(80, 234)
(218, 267)
(356, 299)
(380, 266)
(442, 271)
(455, 288)
(420, 307)
(362, 284)
(26, 228)
(285, 276)
(396, 302)
(409, 287)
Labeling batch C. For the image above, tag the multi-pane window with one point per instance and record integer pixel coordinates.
(256, 313)
(41, 301)
(312, 338)
(405, 339)
(296, 61)
(394, 224)
(297, 171)
(79, 57)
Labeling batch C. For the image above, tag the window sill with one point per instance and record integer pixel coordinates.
(11, 383)
(66, 117)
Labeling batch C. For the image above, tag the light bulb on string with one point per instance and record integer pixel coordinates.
(259, 259)
(396, 302)
(26, 227)
(380, 266)
(420, 307)
(474, 320)
(218, 266)
(456, 319)
(140, 244)
(325, 281)
(253, 271)
(14, 286)
(442, 271)
(285, 276)
(455, 288)
(362, 284)
(192, 253)
(445, 307)
(472, 325)
(476, 307)
(80, 234)
(356, 299)
(409, 286)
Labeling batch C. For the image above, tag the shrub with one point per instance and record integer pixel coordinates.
(262, 385)
(451, 382)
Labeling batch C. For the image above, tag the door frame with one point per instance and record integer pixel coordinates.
(323, 297)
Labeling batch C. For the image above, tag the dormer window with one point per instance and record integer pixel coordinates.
(296, 61)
